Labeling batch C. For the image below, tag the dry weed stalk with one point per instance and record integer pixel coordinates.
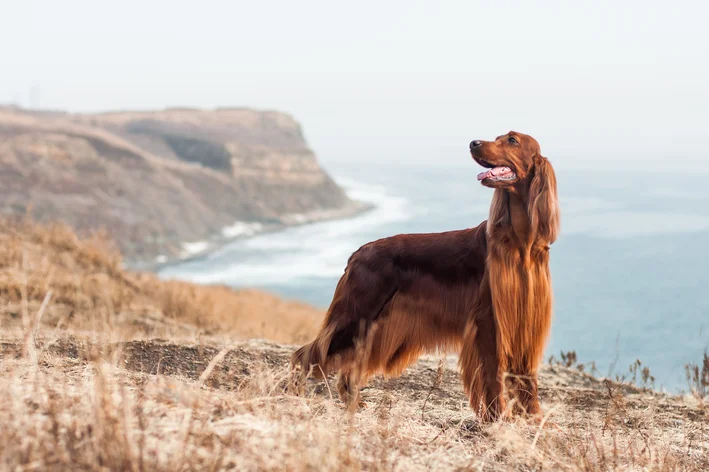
(698, 378)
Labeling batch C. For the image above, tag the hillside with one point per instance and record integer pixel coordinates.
(104, 368)
(158, 180)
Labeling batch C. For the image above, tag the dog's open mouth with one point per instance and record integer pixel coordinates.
(495, 174)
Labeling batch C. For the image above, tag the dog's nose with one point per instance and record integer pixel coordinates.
(474, 144)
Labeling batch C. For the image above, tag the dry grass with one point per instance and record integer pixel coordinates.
(90, 290)
(86, 388)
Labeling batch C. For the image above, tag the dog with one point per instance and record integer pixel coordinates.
(484, 293)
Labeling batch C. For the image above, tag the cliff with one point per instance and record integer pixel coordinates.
(157, 180)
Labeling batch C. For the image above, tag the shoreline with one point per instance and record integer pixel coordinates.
(219, 240)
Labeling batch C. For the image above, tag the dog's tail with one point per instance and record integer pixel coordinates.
(312, 356)
(317, 354)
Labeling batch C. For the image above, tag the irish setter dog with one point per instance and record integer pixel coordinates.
(483, 292)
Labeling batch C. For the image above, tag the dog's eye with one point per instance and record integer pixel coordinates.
(512, 140)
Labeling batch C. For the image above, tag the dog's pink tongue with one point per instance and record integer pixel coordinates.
(495, 171)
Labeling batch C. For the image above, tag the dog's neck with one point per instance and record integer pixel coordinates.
(510, 213)
(520, 221)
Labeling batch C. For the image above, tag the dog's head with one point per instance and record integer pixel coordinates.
(515, 165)
(509, 159)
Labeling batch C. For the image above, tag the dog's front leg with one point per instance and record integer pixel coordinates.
(480, 369)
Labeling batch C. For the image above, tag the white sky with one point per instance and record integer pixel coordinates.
(403, 80)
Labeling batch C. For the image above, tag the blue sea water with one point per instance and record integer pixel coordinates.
(630, 269)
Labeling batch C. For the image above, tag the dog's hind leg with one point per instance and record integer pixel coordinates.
(348, 390)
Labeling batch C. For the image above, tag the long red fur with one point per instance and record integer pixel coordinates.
(484, 293)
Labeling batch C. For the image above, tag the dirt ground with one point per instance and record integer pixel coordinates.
(240, 415)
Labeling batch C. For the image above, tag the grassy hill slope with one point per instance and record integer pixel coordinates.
(108, 369)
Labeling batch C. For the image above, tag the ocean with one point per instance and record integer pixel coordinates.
(630, 269)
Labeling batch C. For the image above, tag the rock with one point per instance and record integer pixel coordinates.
(157, 180)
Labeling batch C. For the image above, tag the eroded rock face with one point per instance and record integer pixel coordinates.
(155, 180)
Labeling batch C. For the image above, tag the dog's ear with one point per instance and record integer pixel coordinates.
(543, 201)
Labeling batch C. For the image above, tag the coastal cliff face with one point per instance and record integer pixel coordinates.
(157, 180)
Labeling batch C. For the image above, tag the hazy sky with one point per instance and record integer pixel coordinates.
(403, 80)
